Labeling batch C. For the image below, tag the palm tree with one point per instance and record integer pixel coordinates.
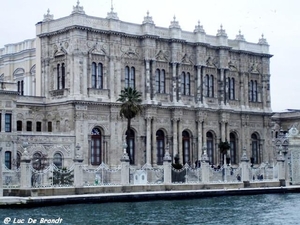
(131, 107)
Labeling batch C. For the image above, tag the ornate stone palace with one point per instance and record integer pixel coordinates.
(58, 93)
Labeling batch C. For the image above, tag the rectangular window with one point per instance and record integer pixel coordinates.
(38, 126)
(8, 160)
(7, 122)
(28, 126)
(49, 126)
(19, 125)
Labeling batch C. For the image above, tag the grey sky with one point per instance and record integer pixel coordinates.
(278, 20)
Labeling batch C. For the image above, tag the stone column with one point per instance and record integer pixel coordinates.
(281, 168)
(174, 83)
(1, 173)
(125, 166)
(175, 144)
(153, 80)
(199, 85)
(179, 83)
(180, 150)
(148, 140)
(167, 167)
(199, 139)
(78, 173)
(245, 166)
(148, 88)
(205, 166)
(25, 169)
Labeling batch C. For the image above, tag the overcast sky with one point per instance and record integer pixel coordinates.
(278, 20)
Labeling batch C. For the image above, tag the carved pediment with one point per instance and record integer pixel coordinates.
(161, 56)
(254, 68)
(130, 52)
(186, 59)
(60, 50)
(231, 66)
(210, 62)
(97, 48)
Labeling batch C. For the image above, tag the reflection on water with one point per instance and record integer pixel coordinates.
(270, 209)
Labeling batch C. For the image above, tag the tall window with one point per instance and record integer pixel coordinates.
(130, 146)
(58, 76)
(233, 148)
(19, 125)
(18, 159)
(160, 81)
(160, 146)
(231, 88)
(96, 148)
(49, 126)
(186, 147)
(129, 77)
(185, 83)
(210, 147)
(61, 76)
(38, 126)
(7, 158)
(7, 122)
(97, 75)
(209, 84)
(255, 148)
(37, 161)
(21, 87)
(57, 160)
(253, 91)
(28, 126)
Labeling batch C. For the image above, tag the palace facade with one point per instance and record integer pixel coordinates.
(58, 93)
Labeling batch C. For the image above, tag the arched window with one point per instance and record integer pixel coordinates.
(185, 83)
(97, 75)
(233, 148)
(211, 86)
(7, 158)
(160, 146)
(38, 126)
(63, 76)
(253, 91)
(58, 160)
(21, 87)
(186, 145)
(255, 149)
(49, 126)
(28, 126)
(18, 159)
(58, 76)
(19, 75)
(19, 125)
(37, 161)
(210, 147)
(160, 81)
(94, 76)
(100, 76)
(231, 88)
(129, 77)
(96, 148)
(131, 145)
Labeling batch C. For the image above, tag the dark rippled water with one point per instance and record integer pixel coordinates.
(270, 209)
